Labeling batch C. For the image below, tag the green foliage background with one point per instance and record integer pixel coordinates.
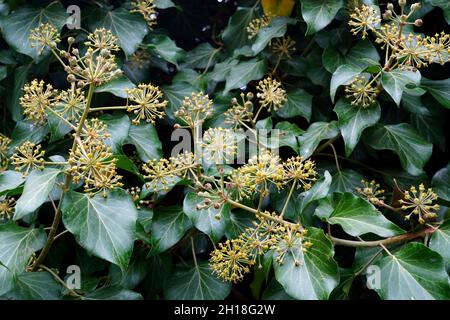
(126, 253)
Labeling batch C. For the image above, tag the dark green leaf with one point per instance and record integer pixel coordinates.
(235, 34)
(441, 183)
(412, 149)
(103, 226)
(355, 215)
(196, 283)
(316, 132)
(317, 273)
(395, 81)
(17, 244)
(35, 286)
(244, 72)
(299, 103)
(117, 87)
(319, 13)
(163, 47)
(439, 89)
(440, 240)
(353, 120)
(145, 138)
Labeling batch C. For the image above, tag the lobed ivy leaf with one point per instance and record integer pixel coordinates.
(352, 121)
(195, 283)
(319, 13)
(299, 103)
(440, 241)
(411, 148)
(36, 191)
(439, 89)
(441, 183)
(117, 87)
(129, 28)
(277, 28)
(210, 221)
(105, 227)
(316, 275)
(35, 286)
(355, 215)
(244, 72)
(16, 27)
(169, 226)
(17, 244)
(118, 127)
(235, 34)
(163, 47)
(414, 272)
(395, 81)
(145, 138)
(317, 132)
(10, 180)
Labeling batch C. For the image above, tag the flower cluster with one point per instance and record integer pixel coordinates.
(234, 258)
(38, 97)
(257, 24)
(404, 51)
(71, 104)
(147, 9)
(420, 203)
(44, 36)
(283, 47)
(195, 109)
(371, 191)
(4, 147)
(146, 103)
(270, 93)
(219, 145)
(97, 66)
(27, 157)
(92, 161)
(240, 112)
(6, 208)
(164, 172)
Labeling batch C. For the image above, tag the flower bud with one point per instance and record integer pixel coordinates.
(71, 40)
(418, 23)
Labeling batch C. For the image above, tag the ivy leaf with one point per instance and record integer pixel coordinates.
(413, 272)
(275, 291)
(440, 240)
(105, 227)
(118, 126)
(441, 183)
(203, 56)
(164, 4)
(145, 138)
(412, 149)
(353, 120)
(316, 275)
(235, 34)
(113, 293)
(163, 47)
(37, 188)
(129, 28)
(10, 180)
(395, 81)
(276, 28)
(35, 286)
(316, 132)
(346, 181)
(318, 14)
(117, 87)
(196, 283)
(17, 244)
(244, 72)
(16, 27)
(15, 91)
(355, 215)
(239, 221)
(27, 131)
(210, 221)
(439, 89)
(288, 134)
(342, 76)
(169, 226)
(299, 103)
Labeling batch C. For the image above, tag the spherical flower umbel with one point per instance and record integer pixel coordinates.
(420, 203)
(283, 46)
(270, 93)
(363, 19)
(94, 130)
(257, 24)
(300, 170)
(146, 103)
(231, 260)
(6, 208)
(37, 97)
(27, 157)
(102, 39)
(147, 9)
(195, 109)
(219, 145)
(371, 191)
(362, 92)
(71, 104)
(241, 111)
(44, 36)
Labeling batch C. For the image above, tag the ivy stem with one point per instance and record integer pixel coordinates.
(384, 242)
(286, 203)
(108, 108)
(57, 278)
(57, 219)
